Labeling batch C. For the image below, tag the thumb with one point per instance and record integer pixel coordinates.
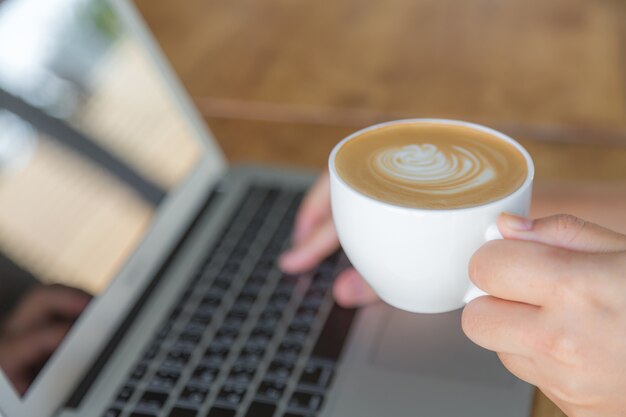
(562, 230)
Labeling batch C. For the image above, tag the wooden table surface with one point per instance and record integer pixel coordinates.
(281, 81)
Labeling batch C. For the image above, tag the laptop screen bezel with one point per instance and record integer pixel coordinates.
(102, 317)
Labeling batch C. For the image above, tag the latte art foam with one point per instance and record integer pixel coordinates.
(434, 171)
(429, 165)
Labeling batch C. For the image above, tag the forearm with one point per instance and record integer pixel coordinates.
(601, 203)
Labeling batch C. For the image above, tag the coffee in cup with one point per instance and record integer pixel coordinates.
(412, 200)
(431, 166)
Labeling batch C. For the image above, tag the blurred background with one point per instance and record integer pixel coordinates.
(281, 81)
(87, 131)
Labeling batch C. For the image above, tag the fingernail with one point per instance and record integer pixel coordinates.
(515, 222)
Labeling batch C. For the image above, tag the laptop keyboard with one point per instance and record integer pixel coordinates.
(244, 339)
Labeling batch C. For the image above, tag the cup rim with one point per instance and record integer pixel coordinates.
(470, 125)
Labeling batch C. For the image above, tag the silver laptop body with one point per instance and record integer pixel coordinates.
(190, 315)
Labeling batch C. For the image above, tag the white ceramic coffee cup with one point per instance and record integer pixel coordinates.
(417, 259)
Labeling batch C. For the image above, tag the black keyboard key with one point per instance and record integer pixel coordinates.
(252, 288)
(152, 351)
(272, 313)
(194, 328)
(231, 394)
(217, 349)
(240, 310)
(282, 293)
(194, 395)
(258, 409)
(299, 326)
(315, 293)
(316, 375)
(205, 374)
(234, 322)
(268, 323)
(240, 250)
(241, 374)
(306, 401)
(153, 401)
(243, 304)
(262, 331)
(221, 412)
(249, 358)
(333, 336)
(214, 358)
(289, 350)
(226, 335)
(187, 342)
(260, 339)
(258, 277)
(246, 299)
(139, 372)
(205, 311)
(177, 359)
(312, 303)
(214, 295)
(266, 263)
(164, 379)
(125, 393)
(313, 299)
(321, 286)
(252, 346)
(298, 331)
(201, 319)
(280, 370)
(231, 267)
(250, 232)
(324, 277)
(222, 283)
(279, 301)
(307, 314)
(271, 390)
(182, 412)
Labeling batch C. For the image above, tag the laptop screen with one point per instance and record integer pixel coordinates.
(90, 147)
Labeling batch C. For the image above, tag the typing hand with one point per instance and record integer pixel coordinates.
(557, 313)
(315, 238)
(35, 328)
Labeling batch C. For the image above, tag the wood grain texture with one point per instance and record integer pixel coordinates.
(281, 81)
(558, 62)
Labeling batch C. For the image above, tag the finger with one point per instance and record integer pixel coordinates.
(314, 209)
(22, 353)
(501, 325)
(521, 366)
(41, 304)
(351, 290)
(528, 272)
(564, 231)
(304, 256)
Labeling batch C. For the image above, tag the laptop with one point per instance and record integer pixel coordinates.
(112, 191)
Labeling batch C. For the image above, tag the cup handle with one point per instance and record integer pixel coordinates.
(473, 291)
